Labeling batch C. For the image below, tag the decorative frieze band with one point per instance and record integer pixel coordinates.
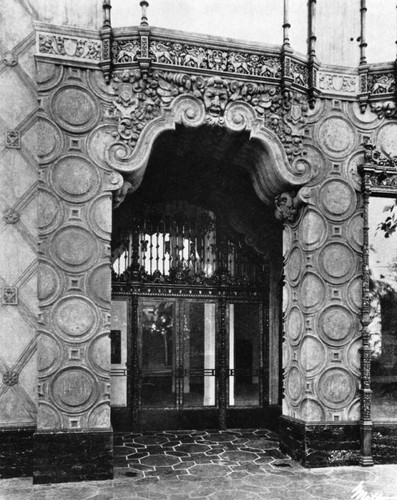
(338, 83)
(263, 64)
(68, 47)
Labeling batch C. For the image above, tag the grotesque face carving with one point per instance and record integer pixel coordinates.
(285, 208)
(215, 97)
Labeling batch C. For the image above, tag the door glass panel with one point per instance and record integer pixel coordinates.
(244, 354)
(198, 340)
(158, 347)
(383, 314)
(118, 392)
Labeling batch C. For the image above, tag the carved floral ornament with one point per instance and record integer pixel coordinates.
(148, 106)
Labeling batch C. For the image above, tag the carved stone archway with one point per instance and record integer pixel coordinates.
(271, 171)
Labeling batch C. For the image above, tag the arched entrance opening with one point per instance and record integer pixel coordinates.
(197, 274)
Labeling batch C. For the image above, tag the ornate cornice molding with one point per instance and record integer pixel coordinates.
(169, 50)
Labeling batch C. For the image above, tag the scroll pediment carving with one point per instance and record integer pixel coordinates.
(146, 106)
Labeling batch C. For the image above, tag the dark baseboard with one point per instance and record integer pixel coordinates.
(65, 456)
(16, 452)
(320, 445)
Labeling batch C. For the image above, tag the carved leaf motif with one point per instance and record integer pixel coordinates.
(140, 100)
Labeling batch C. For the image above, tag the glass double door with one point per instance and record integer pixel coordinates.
(200, 363)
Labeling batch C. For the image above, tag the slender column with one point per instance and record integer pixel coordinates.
(106, 13)
(366, 423)
(144, 20)
(312, 64)
(106, 37)
(286, 24)
(363, 42)
(223, 368)
(311, 25)
(231, 354)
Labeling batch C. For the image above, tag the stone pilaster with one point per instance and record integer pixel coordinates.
(322, 308)
(74, 437)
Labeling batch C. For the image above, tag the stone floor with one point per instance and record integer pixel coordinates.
(213, 465)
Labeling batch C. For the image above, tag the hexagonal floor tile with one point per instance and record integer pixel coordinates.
(239, 456)
(160, 460)
(151, 439)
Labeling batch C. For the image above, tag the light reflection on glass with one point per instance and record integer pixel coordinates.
(383, 314)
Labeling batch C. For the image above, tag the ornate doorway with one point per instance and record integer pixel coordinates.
(190, 312)
(191, 286)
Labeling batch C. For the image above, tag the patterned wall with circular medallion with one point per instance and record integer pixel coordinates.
(74, 270)
(322, 254)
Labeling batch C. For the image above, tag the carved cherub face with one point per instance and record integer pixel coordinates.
(215, 99)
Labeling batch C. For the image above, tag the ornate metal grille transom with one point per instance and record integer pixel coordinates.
(180, 243)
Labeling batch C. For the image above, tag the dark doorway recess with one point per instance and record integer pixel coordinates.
(196, 255)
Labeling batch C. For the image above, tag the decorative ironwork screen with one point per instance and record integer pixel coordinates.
(180, 243)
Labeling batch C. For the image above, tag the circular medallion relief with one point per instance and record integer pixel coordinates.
(336, 135)
(294, 384)
(49, 354)
(100, 216)
(73, 389)
(74, 179)
(74, 109)
(337, 199)
(354, 294)
(354, 356)
(312, 292)
(294, 325)
(352, 170)
(286, 356)
(75, 317)
(99, 354)
(311, 411)
(99, 285)
(49, 140)
(48, 283)
(312, 355)
(49, 211)
(287, 240)
(336, 325)
(355, 232)
(313, 230)
(336, 388)
(387, 139)
(354, 410)
(338, 263)
(74, 248)
(294, 265)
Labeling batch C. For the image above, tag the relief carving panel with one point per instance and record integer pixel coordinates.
(336, 135)
(74, 248)
(336, 388)
(312, 292)
(337, 263)
(74, 109)
(75, 318)
(74, 179)
(337, 199)
(294, 385)
(74, 387)
(336, 325)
